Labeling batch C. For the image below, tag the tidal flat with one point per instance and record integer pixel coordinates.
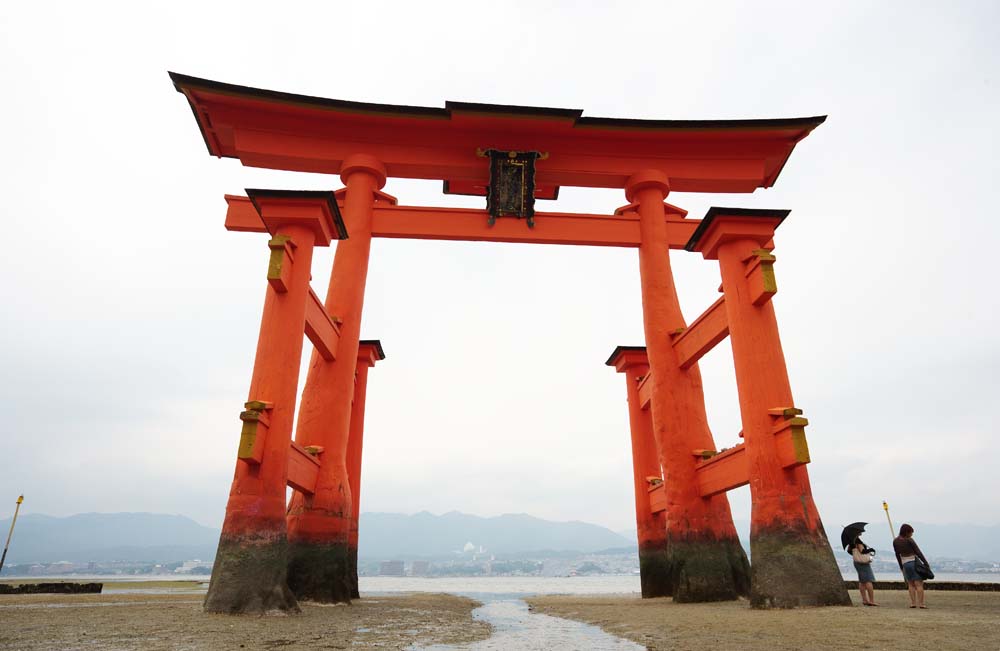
(175, 621)
(953, 620)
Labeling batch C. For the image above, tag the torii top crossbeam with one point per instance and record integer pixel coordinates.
(264, 128)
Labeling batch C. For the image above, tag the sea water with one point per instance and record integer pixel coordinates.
(514, 627)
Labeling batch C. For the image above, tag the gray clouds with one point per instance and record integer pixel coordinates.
(130, 316)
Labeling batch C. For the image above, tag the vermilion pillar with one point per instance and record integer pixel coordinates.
(646, 473)
(319, 525)
(705, 561)
(369, 352)
(249, 575)
(793, 564)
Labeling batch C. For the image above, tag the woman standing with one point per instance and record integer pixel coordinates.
(907, 554)
(866, 578)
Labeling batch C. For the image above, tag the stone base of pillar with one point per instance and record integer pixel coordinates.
(352, 574)
(794, 568)
(710, 569)
(320, 572)
(250, 576)
(654, 571)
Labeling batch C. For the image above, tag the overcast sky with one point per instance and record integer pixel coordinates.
(129, 316)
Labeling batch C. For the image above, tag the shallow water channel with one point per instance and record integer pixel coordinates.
(514, 627)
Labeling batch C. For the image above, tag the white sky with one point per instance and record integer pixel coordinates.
(128, 315)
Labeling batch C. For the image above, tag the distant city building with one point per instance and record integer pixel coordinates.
(391, 568)
(420, 568)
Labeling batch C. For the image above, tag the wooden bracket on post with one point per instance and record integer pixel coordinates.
(657, 498)
(256, 421)
(279, 267)
(760, 276)
(790, 440)
(645, 390)
(303, 469)
(730, 468)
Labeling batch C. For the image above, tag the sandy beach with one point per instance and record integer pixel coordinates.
(953, 620)
(176, 621)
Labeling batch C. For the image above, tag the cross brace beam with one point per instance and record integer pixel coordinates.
(731, 468)
(322, 330)
(420, 223)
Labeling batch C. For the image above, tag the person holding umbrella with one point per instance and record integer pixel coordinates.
(862, 555)
(850, 538)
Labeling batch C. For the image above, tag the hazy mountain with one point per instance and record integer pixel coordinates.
(964, 541)
(164, 538)
(971, 542)
(108, 537)
(384, 535)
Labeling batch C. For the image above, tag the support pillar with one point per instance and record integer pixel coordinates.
(704, 558)
(650, 524)
(319, 525)
(249, 575)
(793, 564)
(369, 352)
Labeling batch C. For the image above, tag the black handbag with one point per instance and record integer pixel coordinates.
(923, 570)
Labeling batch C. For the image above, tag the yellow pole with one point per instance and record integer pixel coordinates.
(892, 531)
(20, 498)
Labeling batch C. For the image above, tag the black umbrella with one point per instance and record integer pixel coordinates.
(851, 533)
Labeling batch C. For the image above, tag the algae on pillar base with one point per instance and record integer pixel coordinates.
(793, 565)
(320, 572)
(705, 567)
(654, 572)
(250, 576)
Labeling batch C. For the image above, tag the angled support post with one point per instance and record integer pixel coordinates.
(249, 575)
(740, 239)
(647, 475)
(369, 352)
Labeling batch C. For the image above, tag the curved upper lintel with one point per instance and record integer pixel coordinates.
(295, 132)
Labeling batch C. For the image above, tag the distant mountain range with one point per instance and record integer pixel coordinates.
(153, 537)
(424, 534)
(104, 537)
(156, 537)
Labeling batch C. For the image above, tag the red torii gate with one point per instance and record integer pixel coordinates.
(271, 553)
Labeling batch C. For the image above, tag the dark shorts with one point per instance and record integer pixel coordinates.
(865, 574)
(910, 571)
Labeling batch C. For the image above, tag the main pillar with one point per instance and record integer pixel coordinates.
(704, 558)
(319, 525)
(793, 564)
(651, 528)
(249, 575)
(369, 352)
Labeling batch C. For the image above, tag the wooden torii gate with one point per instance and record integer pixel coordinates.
(272, 553)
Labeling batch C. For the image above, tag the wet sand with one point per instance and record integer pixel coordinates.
(953, 620)
(176, 621)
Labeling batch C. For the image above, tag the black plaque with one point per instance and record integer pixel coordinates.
(511, 192)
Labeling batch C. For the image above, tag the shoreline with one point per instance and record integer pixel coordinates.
(162, 622)
(953, 621)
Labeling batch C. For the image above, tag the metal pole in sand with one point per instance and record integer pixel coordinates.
(20, 498)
